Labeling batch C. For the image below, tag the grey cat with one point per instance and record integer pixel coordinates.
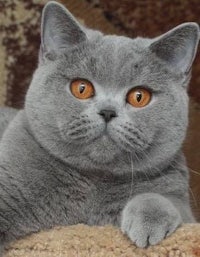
(99, 140)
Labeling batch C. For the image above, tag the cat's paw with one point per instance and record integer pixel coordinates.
(148, 218)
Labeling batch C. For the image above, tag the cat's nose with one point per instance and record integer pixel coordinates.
(108, 114)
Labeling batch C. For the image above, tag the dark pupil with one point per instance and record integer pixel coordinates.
(138, 96)
(81, 88)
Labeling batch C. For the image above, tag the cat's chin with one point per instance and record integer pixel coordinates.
(101, 159)
(103, 150)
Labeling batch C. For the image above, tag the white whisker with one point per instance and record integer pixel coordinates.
(131, 190)
(194, 171)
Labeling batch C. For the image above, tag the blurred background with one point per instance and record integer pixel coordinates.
(20, 40)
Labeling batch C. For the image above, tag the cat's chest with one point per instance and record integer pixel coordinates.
(105, 203)
(93, 203)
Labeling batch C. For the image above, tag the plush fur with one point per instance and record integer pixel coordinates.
(61, 163)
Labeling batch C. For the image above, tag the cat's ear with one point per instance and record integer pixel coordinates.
(178, 46)
(59, 29)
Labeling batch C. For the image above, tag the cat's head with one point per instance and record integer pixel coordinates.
(96, 99)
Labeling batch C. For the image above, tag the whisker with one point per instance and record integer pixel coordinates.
(146, 175)
(131, 189)
(194, 171)
(192, 194)
(147, 156)
(124, 144)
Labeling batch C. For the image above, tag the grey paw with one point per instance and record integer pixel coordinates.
(148, 218)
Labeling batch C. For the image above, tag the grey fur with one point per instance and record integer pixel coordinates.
(61, 164)
(6, 116)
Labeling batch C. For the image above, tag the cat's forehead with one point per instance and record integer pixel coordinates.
(107, 54)
(115, 60)
(119, 47)
(118, 58)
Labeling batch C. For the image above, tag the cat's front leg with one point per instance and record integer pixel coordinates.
(148, 218)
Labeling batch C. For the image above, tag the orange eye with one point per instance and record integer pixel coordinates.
(82, 88)
(138, 97)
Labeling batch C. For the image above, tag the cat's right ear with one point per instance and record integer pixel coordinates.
(59, 29)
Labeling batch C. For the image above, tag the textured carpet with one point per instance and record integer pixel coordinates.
(84, 241)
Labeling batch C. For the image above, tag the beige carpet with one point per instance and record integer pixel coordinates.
(84, 241)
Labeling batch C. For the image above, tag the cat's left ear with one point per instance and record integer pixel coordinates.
(178, 47)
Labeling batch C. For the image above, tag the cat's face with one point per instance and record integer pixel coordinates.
(99, 97)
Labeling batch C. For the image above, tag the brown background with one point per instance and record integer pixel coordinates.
(19, 44)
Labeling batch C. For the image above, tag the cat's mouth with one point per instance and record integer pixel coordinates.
(105, 132)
